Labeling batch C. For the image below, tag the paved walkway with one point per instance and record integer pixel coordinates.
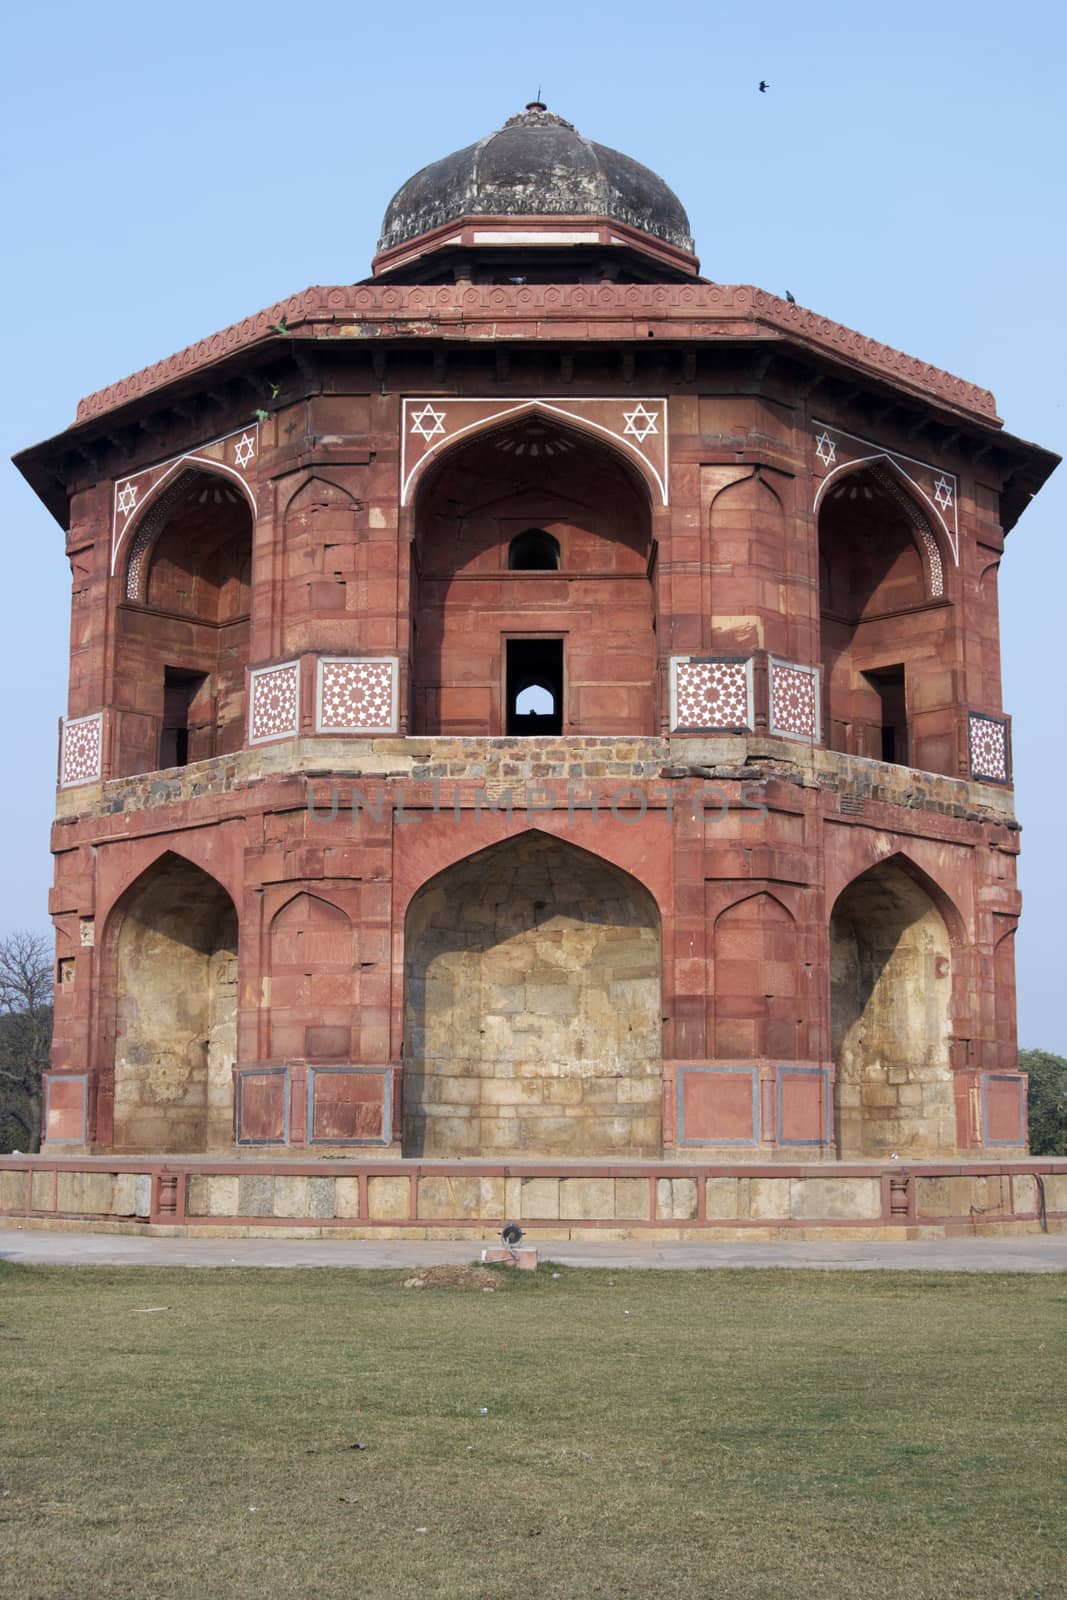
(1030, 1253)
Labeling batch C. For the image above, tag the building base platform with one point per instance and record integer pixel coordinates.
(471, 1199)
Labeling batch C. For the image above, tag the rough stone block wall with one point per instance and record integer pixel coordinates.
(532, 1018)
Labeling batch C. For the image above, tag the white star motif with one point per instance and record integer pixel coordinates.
(825, 449)
(641, 423)
(127, 498)
(244, 450)
(427, 422)
(943, 492)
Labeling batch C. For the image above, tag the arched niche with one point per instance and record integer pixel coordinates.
(182, 632)
(885, 631)
(173, 951)
(758, 1006)
(747, 541)
(891, 958)
(475, 613)
(325, 594)
(532, 1007)
(313, 967)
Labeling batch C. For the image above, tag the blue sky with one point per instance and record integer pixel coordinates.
(171, 169)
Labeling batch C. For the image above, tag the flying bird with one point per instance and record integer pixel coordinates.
(763, 86)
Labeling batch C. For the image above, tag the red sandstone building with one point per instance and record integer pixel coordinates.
(536, 703)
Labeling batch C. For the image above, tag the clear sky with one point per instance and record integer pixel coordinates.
(169, 169)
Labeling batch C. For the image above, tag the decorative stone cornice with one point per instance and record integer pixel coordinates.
(688, 311)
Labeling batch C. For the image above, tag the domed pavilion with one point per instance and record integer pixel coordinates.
(535, 749)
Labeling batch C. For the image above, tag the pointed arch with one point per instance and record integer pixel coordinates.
(135, 543)
(597, 624)
(295, 909)
(653, 481)
(758, 1008)
(170, 957)
(756, 481)
(313, 975)
(933, 538)
(318, 489)
(891, 987)
(532, 1006)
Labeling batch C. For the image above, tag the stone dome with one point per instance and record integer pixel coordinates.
(536, 165)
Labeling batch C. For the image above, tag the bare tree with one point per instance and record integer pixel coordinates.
(25, 1031)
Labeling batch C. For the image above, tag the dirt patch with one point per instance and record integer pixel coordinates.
(450, 1277)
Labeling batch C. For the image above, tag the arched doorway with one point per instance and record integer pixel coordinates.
(890, 995)
(532, 1007)
(182, 629)
(883, 624)
(174, 949)
(531, 567)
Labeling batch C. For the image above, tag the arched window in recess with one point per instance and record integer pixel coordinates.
(183, 628)
(533, 551)
(534, 669)
(888, 696)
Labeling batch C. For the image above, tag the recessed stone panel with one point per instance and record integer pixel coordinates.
(348, 1105)
(717, 1105)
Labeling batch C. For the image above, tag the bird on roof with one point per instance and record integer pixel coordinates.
(790, 297)
(763, 86)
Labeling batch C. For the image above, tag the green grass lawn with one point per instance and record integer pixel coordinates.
(649, 1434)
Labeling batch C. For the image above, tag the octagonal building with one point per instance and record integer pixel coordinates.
(535, 711)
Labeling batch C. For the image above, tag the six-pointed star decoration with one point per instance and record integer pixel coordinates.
(641, 423)
(427, 422)
(825, 449)
(127, 498)
(942, 492)
(244, 450)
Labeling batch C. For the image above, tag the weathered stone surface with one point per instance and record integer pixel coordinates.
(255, 1195)
(346, 1197)
(955, 1197)
(124, 1195)
(43, 1191)
(540, 1197)
(832, 1198)
(721, 1197)
(388, 1198)
(12, 1191)
(321, 1197)
(89, 1192)
(212, 1196)
(586, 1197)
(291, 1197)
(676, 1198)
(631, 1198)
(460, 1198)
(768, 1198)
(548, 1022)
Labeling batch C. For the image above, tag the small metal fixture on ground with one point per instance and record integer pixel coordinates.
(525, 1259)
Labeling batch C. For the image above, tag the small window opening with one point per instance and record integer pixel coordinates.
(534, 686)
(533, 551)
(180, 689)
(888, 683)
